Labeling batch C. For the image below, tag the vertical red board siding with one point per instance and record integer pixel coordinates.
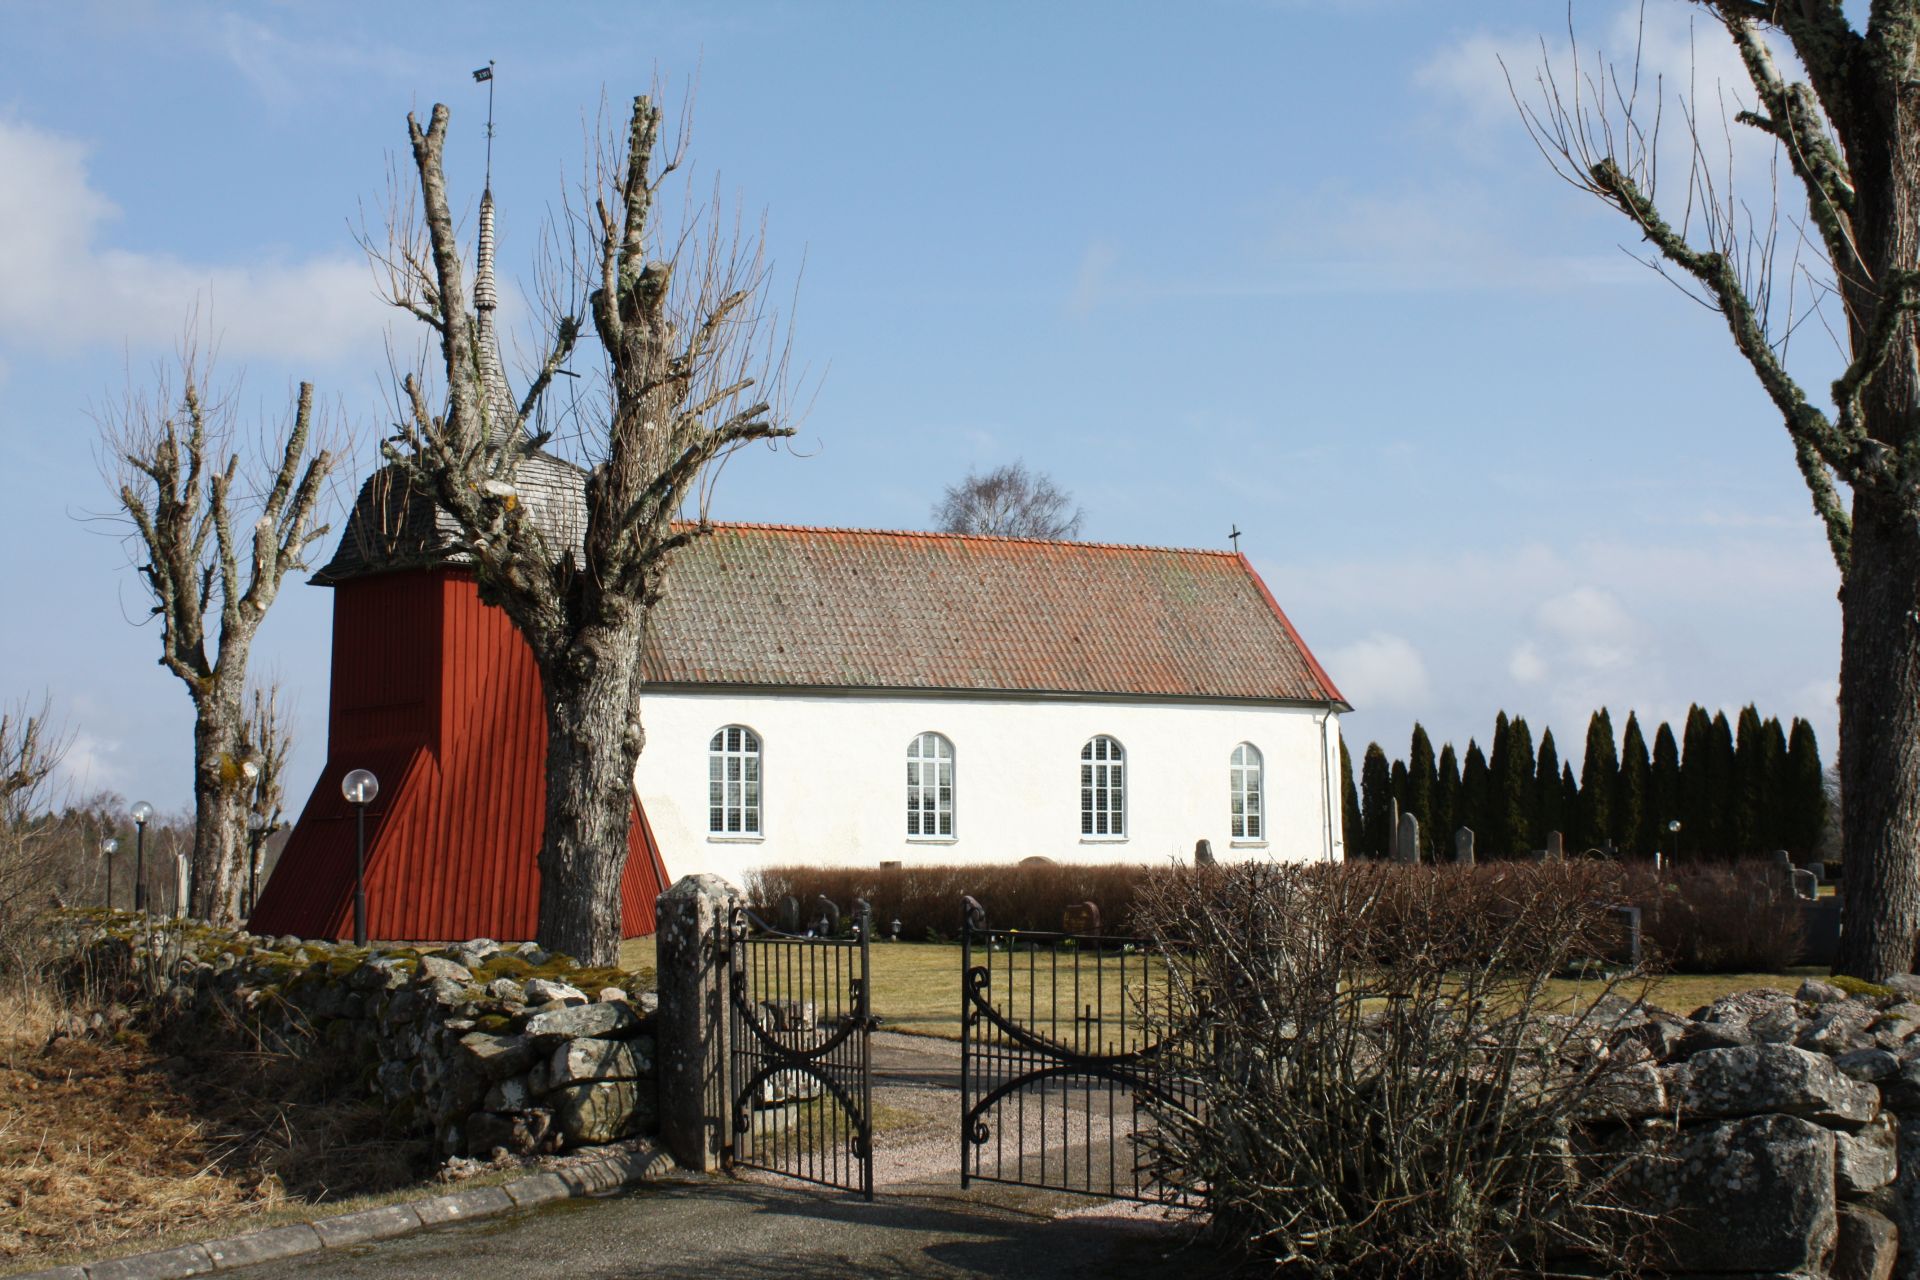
(437, 694)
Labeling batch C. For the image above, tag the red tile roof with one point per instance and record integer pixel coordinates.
(789, 606)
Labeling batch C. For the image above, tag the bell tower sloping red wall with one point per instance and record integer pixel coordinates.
(438, 695)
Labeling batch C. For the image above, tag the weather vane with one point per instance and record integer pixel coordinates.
(1235, 537)
(485, 76)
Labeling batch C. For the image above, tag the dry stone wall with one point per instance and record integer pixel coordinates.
(479, 1045)
(1786, 1127)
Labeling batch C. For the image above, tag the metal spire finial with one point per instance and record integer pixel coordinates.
(485, 76)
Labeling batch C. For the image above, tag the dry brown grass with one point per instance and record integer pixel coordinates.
(112, 1143)
(96, 1144)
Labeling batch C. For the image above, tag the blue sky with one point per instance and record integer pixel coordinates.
(1290, 266)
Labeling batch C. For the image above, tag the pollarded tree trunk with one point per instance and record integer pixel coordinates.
(219, 807)
(212, 584)
(593, 746)
(1879, 730)
(683, 350)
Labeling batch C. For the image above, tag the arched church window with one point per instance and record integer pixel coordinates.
(733, 782)
(1246, 785)
(930, 787)
(1103, 792)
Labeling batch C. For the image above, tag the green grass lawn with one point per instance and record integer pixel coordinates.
(916, 985)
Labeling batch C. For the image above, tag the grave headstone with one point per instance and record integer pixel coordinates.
(789, 914)
(1780, 863)
(1805, 884)
(1407, 848)
(826, 916)
(1556, 847)
(1628, 919)
(1463, 846)
(1081, 917)
(1203, 853)
(1393, 828)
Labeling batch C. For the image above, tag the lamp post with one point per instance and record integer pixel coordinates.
(108, 848)
(256, 831)
(360, 787)
(141, 813)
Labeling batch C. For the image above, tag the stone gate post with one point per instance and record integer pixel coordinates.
(691, 1026)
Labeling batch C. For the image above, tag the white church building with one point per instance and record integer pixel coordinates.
(855, 697)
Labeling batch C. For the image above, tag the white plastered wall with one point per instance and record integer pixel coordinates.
(835, 779)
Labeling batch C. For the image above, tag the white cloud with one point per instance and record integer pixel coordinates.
(1683, 57)
(1590, 628)
(1526, 666)
(1553, 632)
(66, 288)
(87, 766)
(1381, 671)
(283, 65)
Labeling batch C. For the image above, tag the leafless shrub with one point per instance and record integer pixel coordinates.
(1394, 1077)
(30, 750)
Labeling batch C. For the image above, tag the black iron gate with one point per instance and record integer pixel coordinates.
(1064, 1038)
(800, 1065)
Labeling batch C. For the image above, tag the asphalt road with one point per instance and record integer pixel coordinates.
(716, 1229)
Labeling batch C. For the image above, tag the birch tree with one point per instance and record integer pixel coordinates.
(1844, 119)
(680, 321)
(212, 540)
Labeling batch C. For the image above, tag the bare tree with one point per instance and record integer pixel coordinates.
(212, 540)
(30, 750)
(683, 326)
(1844, 123)
(1010, 502)
(267, 741)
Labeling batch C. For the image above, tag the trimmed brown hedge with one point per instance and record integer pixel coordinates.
(1718, 918)
(926, 900)
(1727, 917)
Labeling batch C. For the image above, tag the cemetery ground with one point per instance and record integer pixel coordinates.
(916, 985)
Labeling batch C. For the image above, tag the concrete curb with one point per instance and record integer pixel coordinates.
(608, 1173)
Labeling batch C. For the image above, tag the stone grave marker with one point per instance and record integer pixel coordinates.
(1407, 848)
(1463, 846)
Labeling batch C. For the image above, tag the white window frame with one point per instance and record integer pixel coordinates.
(1247, 795)
(1103, 772)
(925, 804)
(742, 798)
